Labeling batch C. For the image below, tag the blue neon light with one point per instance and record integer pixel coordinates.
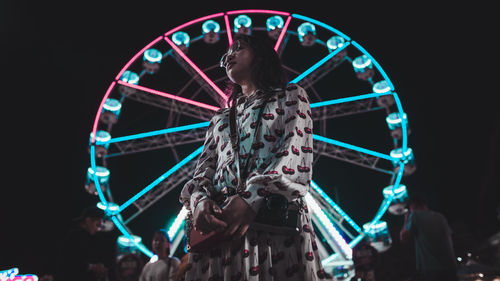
(353, 147)
(155, 133)
(382, 72)
(348, 99)
(96, 178)
(335, 206)
(404, 122)
(140, 246)
(322, 25)
(161, 178)
(319, 63)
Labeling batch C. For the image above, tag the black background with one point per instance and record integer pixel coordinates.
(59, 58)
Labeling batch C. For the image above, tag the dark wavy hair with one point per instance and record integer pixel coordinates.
(266, 68)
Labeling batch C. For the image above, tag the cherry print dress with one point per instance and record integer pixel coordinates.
(280, 162)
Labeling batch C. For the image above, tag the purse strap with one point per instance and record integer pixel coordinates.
(235, 141)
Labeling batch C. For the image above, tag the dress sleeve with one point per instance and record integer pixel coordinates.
(194, 191)
(284, 162)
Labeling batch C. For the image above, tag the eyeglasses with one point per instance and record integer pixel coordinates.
(234, 48)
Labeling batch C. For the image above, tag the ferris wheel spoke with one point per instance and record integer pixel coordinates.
(171, 105)
(228, 30)
(155, 133)
(344, 109)
(327, 228)
(319, 63)
(282, 34)
(158, 139)
(170, 96)
(170, 137)
(348, 99)
(161, 178)
(361, 158)
(180, 176)
(179, 52)
(127, 234)
(336, 208)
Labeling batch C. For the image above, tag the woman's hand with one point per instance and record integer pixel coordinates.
(238, 215)
(205, 217)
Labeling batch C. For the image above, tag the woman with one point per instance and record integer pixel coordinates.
(278, 161)
(165, 267)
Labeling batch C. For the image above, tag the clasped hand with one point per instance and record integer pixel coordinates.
(233, 219)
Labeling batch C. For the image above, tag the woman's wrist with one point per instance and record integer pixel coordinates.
(198, 201)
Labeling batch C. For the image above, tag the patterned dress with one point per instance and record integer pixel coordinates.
(280, 162)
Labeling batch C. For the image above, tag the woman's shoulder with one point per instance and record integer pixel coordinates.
(295, 92)
(296, 89)
(221, 111)
(218, 115)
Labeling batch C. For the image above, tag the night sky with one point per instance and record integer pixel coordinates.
(59, 59)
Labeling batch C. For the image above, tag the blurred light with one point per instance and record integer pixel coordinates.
(152, 56)
(304, 29)
(381, 87)
(335, 42)
(362, 62)
(9, 273)
(130, 77)
(210, 26)
(153, 259)
(112, 207)
(174, 228)
(459, 259)
(127, 242)
(274, 22)
(181, 38)
(325, 221)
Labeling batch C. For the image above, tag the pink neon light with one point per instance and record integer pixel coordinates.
(197, 69)
(170, 96)
(228, 29)
(282, 34)
(136, 56)
(192, 22)
(98, 115)
(258, 11)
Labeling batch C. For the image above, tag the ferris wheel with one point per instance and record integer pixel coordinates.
(151, 123)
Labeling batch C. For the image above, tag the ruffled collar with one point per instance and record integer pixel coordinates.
(254, 96)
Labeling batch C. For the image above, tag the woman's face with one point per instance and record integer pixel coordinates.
(238, 62)
(160, 244)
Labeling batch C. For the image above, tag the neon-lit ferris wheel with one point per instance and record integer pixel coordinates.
(160, 103)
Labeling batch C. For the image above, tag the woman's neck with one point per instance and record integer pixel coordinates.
(248, 89)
